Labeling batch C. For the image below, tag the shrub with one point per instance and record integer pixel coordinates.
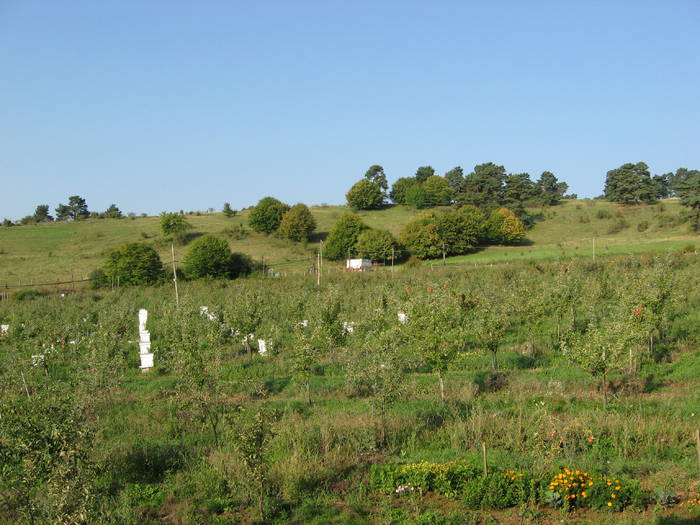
(643, 226)
(134, 263)
(266, 216)
(365, 195)
(297, 223)
(603, 214)
(618, 226)
(343, 237)
(208, 257)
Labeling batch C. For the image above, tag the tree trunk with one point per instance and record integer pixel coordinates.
(308, 392)
(442, 386)
(494, 363)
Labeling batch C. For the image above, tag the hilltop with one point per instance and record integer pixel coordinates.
(65, 250)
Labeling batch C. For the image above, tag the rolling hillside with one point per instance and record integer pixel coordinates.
(62, 251)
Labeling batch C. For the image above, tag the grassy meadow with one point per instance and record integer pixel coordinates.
(66, 251)
(338, 426)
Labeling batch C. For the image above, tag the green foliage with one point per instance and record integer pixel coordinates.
(421, 237)
(483, 187)
(343, 237)
(75, 209)
(503, 227)
(133, 264)
(113, 212)
(415, 196)
(455, 177)
(252, 442)
(400, 187)
(228, 211)
(365, 195)
(267, 215)
(686, 184)
(423, 173)
(550, 190)
(41, 214)
(437, 190)
(376, 174)
(630, 184)
(297, 223)
(453, 232)
(208, 256)
(174, 226)
(461, 230)
(376, 245)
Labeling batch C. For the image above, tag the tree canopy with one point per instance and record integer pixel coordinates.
(266, 216)
(297, 223)
(134, 263)
(341, 240)
(365, 195)
(376, 174)
(208, 256)
(630, 184)
(174, 226)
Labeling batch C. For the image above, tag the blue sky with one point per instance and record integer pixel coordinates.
(168, 105)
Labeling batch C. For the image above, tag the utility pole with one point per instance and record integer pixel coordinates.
(177, 296)
(318, 268)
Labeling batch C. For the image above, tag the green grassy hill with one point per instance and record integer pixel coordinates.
(61, 251)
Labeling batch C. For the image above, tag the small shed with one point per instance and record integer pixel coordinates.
(358, 265)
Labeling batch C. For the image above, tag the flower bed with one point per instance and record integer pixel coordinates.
(500, 489)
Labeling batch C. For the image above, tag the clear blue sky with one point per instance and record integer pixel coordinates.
(168, 105)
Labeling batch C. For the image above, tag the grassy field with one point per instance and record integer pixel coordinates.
(64, 251)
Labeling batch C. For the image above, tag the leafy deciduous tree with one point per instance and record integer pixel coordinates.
(267, 215)
(297, 223)
(365, 195)
(342, 238)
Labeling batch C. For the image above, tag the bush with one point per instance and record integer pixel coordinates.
(134, 263)
(28, 295)
(266, 216)
(297, 223)
(618, 226)
(98, 279)
(342, 238)
(643, 226)
(365, 195)
(603, 214)
(208, 257)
